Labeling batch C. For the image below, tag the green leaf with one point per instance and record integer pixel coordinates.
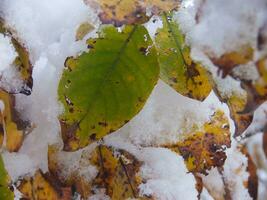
(176, 67)
(5, 193)
(104, 88)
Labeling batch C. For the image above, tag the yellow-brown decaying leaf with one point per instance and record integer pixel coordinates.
(117, 174)
(177, 69)
(199, 184)
(237, 104)
(120, 12)
(257, 90)
(40, 187)
(232, 59)
(83, 30)
(22, 62)
(13, 126)
(203, 150)
(252, 183)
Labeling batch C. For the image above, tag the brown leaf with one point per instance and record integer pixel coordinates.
(199, 184)
(257, 90)
(42, 187)
(117, 173)
(252, 183)
(237, 104)
(232, 59)
(120, 12)
(203, 150)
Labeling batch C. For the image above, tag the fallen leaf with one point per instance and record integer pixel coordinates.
(13, 127)
(205, 149)
(104, 88)
(176, 67)
(232, 59)
(22, 62)
(83, 30)
(40, 187)
(120, 12)
(252, 182)
(117, 174)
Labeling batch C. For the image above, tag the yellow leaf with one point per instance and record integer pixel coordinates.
(203, 150)
(22, 62)
(176, 66)
(13, 126)
(120, 12)
(83, 30)
(117, 173)
(40, 188)
(232, 59)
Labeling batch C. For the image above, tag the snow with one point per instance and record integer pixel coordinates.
(229, 25)
(49, 34)
(48, 30)
(235, 174)
(7, 52)
(152, 126)
(167, 177)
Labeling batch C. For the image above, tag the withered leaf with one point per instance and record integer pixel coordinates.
(205, 149)
(83, 30)
(257, 90)
(117, 174)
(176, 66)
(13, 128)
(252, 182)
(232, 59)
(120, 12)
(41, 187)
(22, 62)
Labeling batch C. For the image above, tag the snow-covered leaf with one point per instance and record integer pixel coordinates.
(22, 62)
(176, 67)
(237, 104)
(230, 60)
(42, 186)
(117, 173)
(120, 12)
(13, 128)
(205, 149)
(103, 89)
(83, 30)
